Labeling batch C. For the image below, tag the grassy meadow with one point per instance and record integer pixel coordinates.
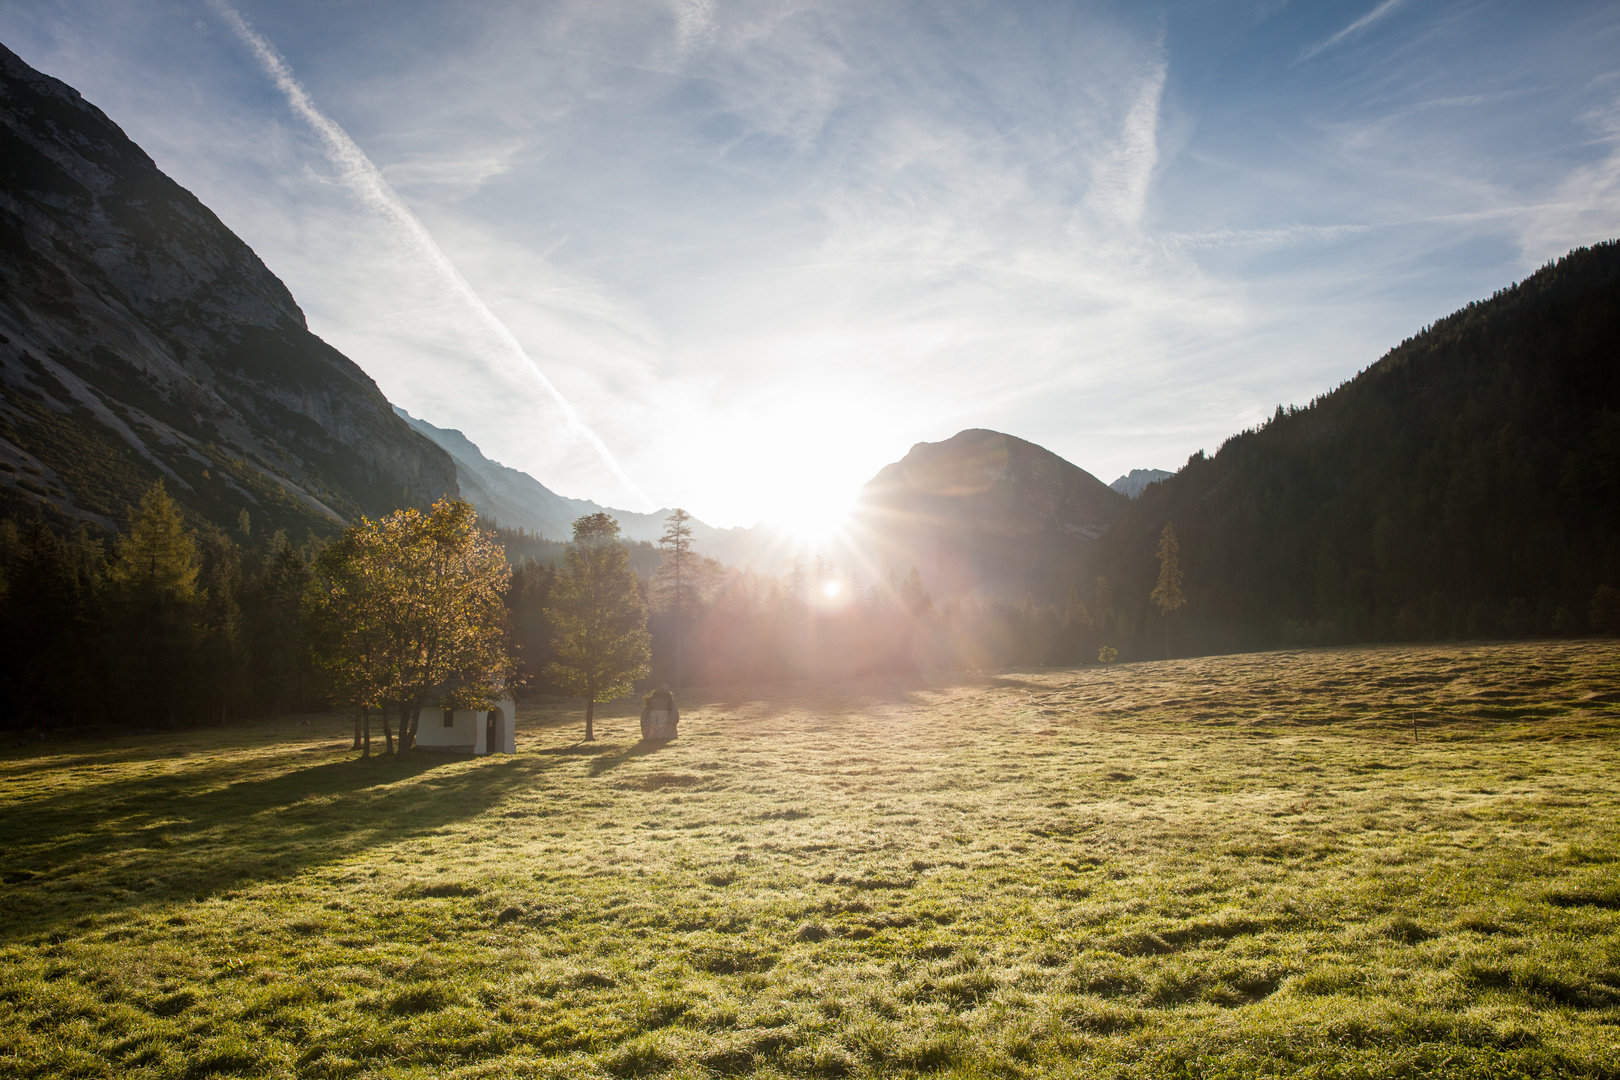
(1341, 863)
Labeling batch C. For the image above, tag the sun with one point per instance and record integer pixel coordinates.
(813, 519)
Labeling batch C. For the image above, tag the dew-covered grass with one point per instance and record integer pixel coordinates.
(1338, 863)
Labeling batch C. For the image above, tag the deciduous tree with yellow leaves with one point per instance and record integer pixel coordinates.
(409, 608)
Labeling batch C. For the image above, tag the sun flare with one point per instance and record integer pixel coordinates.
(813, 522)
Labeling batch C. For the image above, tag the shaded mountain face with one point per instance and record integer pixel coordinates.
(983, 512)
(1133, 483)
(141, 339)
(1465, 485)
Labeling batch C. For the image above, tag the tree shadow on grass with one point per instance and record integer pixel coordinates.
(135, 844)
(605, 756)
(608, 763)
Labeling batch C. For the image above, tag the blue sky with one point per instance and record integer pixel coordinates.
(738, 256)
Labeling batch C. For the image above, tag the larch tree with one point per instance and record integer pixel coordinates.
(152, 583)
(1167, 592)
(598, 619)
(673, 584)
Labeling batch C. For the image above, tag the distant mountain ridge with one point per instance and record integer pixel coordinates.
(510, 497)
(140, 339)
(1133, 483)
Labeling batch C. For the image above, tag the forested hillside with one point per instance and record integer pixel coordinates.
(1465, 485)
(140, 340)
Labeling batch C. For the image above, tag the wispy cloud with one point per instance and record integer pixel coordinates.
(1123, 175)
(1586, 205)
(1285, 236)
(1350, 31)
(493, 342)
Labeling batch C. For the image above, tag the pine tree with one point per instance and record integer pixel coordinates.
(48, 623)
(600, 622)
(1603, 610)
(273, 601)
(1167, 593)
(913, 595)
(528, 595)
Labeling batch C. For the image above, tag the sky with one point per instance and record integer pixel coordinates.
(737, 256)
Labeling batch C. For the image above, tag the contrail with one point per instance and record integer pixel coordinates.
(1354, 28)
(367, 182)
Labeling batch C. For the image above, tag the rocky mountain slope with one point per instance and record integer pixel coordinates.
(983, 512)
(141, 339)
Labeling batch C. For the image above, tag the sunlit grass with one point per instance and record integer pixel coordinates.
(1378, 862)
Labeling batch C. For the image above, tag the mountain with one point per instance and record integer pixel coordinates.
(1467, 484)
(502, 495)
(983, 512)
(140, 339)
(515, 499)
(1133, 483)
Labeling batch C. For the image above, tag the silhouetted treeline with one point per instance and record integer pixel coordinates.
(169, 624)
(1466, 485)
(160, 626)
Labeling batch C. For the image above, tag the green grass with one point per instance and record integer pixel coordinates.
(1227, 867)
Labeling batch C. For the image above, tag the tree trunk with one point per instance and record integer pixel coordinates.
(407, 738)
(357, 713)
(590, 716)
(365, 745)
(388, 732)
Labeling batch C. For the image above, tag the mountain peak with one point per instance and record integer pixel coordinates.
(1133, 483)
(981, 511)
